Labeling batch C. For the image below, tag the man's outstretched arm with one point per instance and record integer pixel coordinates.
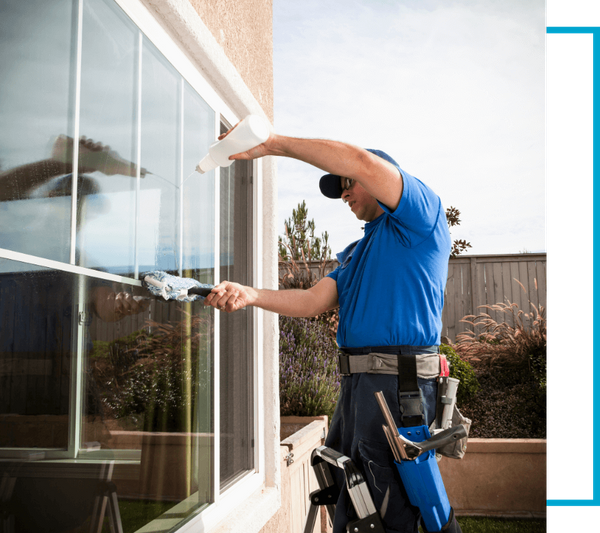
(377, 176)
(229, 297)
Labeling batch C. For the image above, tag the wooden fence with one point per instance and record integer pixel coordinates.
(476, 280)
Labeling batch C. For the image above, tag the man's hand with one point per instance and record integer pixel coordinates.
(254, 153)
(228, 296)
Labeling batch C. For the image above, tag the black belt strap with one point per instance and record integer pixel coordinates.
(410, 399)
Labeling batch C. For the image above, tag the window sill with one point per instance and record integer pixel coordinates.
(234, 513)
(252, 514)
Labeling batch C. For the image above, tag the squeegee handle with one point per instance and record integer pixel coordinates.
(202, 291)
(441, 439)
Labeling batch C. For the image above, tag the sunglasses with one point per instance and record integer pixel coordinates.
(347, 184)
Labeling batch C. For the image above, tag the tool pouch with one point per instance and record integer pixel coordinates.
(448, 415)
(423, 482)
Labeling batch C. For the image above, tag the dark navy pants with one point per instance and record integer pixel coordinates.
(356, 431)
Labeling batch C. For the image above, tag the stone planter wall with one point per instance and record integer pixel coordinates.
(498, 477)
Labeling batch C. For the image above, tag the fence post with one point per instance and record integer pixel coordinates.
(474, 286)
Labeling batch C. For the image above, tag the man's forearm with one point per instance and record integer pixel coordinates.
(228, 296)
(333, 157)
(291, 302)
(16, 183)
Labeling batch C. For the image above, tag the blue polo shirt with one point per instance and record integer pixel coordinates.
(391, 282)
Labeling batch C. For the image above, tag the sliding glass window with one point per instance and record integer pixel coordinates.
(107, 394)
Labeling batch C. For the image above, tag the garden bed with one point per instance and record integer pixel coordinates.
(509, 404)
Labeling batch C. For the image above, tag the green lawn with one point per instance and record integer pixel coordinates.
(471, 524)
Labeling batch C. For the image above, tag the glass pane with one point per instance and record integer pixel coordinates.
(107, 183)
(236, 339)
(37, 320)
(198, 190)
(148, 399)
(36, 96)
(158, 235)
(146, 377)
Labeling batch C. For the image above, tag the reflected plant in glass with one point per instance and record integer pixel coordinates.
(146, 379)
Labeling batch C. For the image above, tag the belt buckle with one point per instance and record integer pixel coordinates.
(344, 364)
(411, 407)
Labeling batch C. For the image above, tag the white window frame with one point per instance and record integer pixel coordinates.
(247, 496)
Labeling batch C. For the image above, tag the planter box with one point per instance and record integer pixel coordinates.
(498, 477)
(299, 437)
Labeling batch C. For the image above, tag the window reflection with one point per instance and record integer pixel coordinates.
(159, 245)
(36, 99)
(198, 191)
(37, 318)
(148, 398)
(104, 390)
(109, 68)
(146, 377)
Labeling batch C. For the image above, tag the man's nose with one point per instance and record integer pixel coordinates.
(345, 195)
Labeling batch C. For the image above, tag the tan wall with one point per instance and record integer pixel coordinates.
(244, 29)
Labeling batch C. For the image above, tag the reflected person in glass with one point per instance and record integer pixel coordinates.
(39, 180)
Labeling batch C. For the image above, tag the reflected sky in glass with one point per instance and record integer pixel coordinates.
(117, 226)
(36, 93)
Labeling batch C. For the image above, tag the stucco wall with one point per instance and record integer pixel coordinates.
(244, 29)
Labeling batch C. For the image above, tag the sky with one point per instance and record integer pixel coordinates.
(453, 90)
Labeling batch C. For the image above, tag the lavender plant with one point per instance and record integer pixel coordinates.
(309, 379)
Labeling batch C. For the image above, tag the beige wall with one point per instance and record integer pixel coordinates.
(244, 29)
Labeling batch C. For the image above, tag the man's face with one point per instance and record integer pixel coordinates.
(361, 203)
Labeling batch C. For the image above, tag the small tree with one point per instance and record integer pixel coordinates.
(299, 241)
(458, 245)
(299, 247)
(308, 375)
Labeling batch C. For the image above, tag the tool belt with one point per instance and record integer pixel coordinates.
(404, 361)
(428, 364)
(408, 367)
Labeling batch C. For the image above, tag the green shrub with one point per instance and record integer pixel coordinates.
(309, 379)
(463, 371)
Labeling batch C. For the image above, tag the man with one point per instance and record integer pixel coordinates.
(389, 288)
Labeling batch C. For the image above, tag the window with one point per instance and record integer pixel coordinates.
(99, 137)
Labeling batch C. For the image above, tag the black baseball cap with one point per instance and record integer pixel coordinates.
(331, 185)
